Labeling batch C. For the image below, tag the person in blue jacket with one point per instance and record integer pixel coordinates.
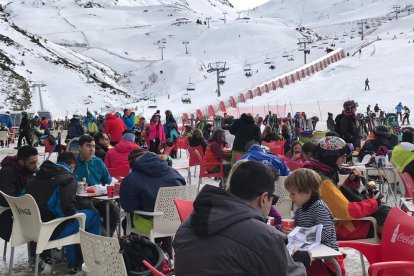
(399, 109)
(140, 188)
(6, 119)
(256, 153)
(128, 119)
(93, 169)
(88, 117)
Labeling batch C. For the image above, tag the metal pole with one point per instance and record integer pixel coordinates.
(218, 84)
(40, 96)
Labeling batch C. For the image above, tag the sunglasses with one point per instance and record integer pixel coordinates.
(274, 197)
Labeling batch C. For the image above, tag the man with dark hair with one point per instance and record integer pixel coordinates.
(54, 189)
(92, 168)
(228, 231)
(256, 153)
(140, 188)
(14, 174)
(101, 145)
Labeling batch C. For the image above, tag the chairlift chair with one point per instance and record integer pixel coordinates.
(268, 61)
(345, 34)
(336, 37)
(247, 70)
(190, 86)
(285, 54)
(291, 57)
(272, 65)
(152, 103)
(342, 40)
(314, 45)
(186, 99)
(326, 41)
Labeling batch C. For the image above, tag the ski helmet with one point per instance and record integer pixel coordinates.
(333, 146)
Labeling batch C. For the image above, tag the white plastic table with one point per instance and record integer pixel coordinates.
(324, 252)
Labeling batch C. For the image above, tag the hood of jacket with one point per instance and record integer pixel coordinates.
(248, 119)
(151, 164)
(50, 170)
(111, 116)
(125, 146)
(216, 209)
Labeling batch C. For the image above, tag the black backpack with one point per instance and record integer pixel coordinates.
(135, 249)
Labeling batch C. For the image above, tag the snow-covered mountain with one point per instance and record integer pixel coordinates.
(135, 51)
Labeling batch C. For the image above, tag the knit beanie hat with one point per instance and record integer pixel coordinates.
(128, 137)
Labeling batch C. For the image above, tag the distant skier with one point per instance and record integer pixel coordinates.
(366, 84)
(406, 115)
(399, 109)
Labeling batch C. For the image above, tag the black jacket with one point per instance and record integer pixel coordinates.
(100, 151)
(25, 125)
(224, 226)
(75, 129)
(349, 130)
(244, 130)
(372, 146)
(13, 179)
(42, 187)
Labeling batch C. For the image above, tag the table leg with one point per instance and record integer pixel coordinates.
(335, 263)
(120, 222)
(107, 218)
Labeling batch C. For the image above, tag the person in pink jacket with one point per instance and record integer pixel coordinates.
(155, 134)
(114, 126)
(117, 156)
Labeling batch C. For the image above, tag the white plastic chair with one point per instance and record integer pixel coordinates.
(284, 204)
(2, 209)
(4, 137)
(101, 255)
(28, 226)
(166, 219)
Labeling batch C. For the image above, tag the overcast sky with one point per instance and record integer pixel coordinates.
(247, 4)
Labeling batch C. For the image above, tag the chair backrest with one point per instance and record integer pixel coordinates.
(184, 208)
(408, 182)
(170, 220)
(101, 255)
(397, 243)
(293, 165)
(196, 155)
(182, 142)
(119, 172)
(73, 145)
(3, 135)
(284, 204)
(26, 219)
(277, 148)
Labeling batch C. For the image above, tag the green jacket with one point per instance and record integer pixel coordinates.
(402, 155)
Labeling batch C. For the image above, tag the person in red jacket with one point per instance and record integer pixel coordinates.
(114, 126)
(117, 156)
(215, 153)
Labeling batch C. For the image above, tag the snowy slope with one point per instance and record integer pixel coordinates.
(121, 40)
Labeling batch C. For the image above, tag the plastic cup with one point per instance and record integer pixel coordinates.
(271, 221)
(110, 190)
(288, 223)
(80, 188)
(116, 191)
